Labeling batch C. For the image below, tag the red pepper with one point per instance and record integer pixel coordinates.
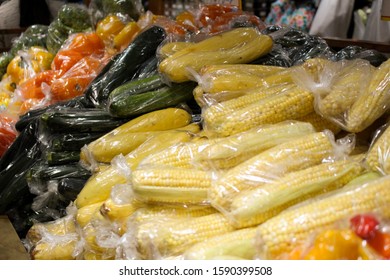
(365, 226)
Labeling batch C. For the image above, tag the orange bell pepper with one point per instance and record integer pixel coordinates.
(76, 80)
(32, 88)
(86, 44)
(65, 59)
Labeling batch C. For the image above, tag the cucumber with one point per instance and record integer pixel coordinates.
(59, 158)
(72, 141)
(138, 104)
(75, 120)
(142, 48)
(70, 187)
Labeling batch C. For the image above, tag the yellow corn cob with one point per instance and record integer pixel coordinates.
(288, 105)
(123, 140)
(233, 150)
(373, 102)
(237, 244)
(171, 185)
(153, 212)
(269, 165)
(181, 155)
(92, 255)
(170, 48)
(315, 67)
(254, 207)
(54, 250)
(93, 236)
(219, 112)
(172, 237)
(378, 157)
(346, 88)
(115, 211)
(320, 123)
(99, 186)
(85, 214)
(284, 232)
(240, 45)
(61, 226)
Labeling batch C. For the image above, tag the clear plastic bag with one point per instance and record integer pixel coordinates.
(279, 236)
(266, 168)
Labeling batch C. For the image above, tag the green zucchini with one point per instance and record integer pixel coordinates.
(72, 141)
(136, 87)
(41, 173)
(69, 188)
(27, 118)
(142, 48)
(76, 120)
(147, 69)
(59, 158)
(138, 104)
(13, 182)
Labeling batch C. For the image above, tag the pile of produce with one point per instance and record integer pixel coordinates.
(211, 136)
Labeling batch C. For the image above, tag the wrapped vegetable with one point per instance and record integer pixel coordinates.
(99, 186)
(29, 63)
(279, 235)
(109, 27)
(273, 164)
(70, 19)
(240, 45)
(377, 158)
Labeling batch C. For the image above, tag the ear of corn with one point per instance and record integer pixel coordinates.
(85, 214)
(256, 206)
(171, 185)
(220, 111)
(172, 237)
(288, 105)
(181, 155)
(240, 45)
(281, 234)
(378, 157)
(54, 250)
(61, 226)
(373, 102)
(233, 150)
(349, 83)
(115, 211)
(112, 144)
(236, 244)
(99, 186)
(270, 165)
(320, 123)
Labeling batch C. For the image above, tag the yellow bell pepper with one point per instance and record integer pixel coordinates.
(336, 245)
(22, 67)
(127, 34)
(108, 28)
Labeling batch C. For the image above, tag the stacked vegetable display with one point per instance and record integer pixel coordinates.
(205, 147)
